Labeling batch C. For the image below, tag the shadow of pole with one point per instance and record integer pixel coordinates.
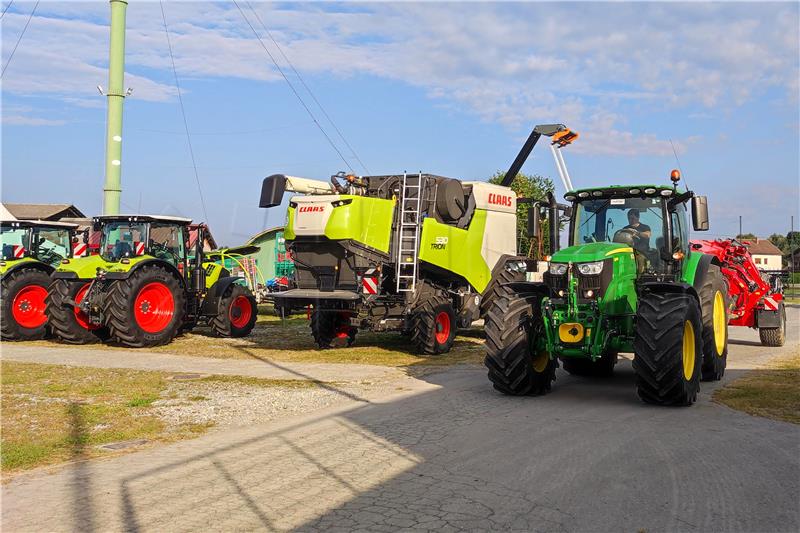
(250, 502)
(83, 507)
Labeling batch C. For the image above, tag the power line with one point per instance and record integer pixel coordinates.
(6, 9)
(10, 57)
(310, 92)
(291, 86)
(183, 114)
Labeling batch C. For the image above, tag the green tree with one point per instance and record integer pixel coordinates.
(780, 241)
(746, 237)
(527, 187)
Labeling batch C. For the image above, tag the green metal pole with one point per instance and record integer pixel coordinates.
(116, 96)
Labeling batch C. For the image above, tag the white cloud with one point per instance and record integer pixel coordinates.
(22, 120)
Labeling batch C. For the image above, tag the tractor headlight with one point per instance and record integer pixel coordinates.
(558, 269)
(587, 269)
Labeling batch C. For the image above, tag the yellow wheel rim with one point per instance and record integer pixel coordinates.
(540, 361)
(688, 350)
(719, 323)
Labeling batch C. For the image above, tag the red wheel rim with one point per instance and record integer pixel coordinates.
(343, 329)
(442, 327)
(80, 317)
(240, 312)
(154, 307)
(28, 306)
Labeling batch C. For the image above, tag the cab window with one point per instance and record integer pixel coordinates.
(167, 242)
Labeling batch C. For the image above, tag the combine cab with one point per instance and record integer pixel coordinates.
(756, 297)
(31, 251)
(145, 287)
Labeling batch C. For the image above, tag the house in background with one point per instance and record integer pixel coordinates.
(50, 212)
(766, 255)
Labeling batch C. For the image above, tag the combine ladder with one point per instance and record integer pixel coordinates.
(408, 233)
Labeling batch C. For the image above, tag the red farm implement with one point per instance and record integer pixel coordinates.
(755, 297)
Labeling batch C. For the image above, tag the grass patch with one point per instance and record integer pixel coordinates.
(772, 392)
(54, 413)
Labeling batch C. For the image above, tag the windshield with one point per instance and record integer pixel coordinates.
(16, 242)
(122, 239)
(637, 222)
(50, 245)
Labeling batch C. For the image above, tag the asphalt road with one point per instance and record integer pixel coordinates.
(448, 453)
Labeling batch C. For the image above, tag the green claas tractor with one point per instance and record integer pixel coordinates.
(628, 282)
(145, 287)
(31, 251)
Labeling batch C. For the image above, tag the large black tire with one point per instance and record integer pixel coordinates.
(67, 325)
(22, 293)
(332, 329)
(145, 309)
(603, 367)
(238, 313)
(774, 336)
(714, 306)
(668, 348)
(433, 325)
(513, 326)
(498, 287)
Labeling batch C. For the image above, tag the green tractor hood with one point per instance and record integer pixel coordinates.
(594, 251)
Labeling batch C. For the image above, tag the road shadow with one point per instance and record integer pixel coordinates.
(83, 511)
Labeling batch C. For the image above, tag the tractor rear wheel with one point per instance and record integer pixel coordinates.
(668, 348)
(237, 313)
(513, 326)
(603, 367)
(433, 325)
(774, 336)
(332, 329)
(67, 322)
(145, 309)
(23, 294)
(714, 304)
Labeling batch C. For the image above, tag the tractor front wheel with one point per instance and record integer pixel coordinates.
(668, 348)
(23, 296)
(332, 329)
(513, 328)
(237, 313)
(433, 325)
(145, 309)
(714, 304)
(67, 322)
(775, 336)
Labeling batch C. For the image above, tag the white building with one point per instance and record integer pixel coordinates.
(766, 255)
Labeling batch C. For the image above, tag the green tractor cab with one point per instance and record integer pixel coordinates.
(30, 252)
(629, 281)
(145, 287)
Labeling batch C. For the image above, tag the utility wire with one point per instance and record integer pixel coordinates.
(183, 114)
(310, 92)
(291, 86)
(10, 57)
(6, 9)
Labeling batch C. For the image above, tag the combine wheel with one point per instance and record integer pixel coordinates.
(774, 336)
(668, 348)
(237, 313)
(603, 367)
(332, 329)
(433, 325)
(714, 303)
(67, 322)
(513, 327)
(145, 309)
(23, 294)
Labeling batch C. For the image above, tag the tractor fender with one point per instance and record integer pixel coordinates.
(702, 269)
(136, 266)
(215, 293)
(669, 287)
(37, 265)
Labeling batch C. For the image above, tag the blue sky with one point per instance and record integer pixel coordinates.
(447, 88)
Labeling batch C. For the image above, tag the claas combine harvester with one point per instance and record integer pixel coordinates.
(31, 251)
(146, 285)
(414, 253)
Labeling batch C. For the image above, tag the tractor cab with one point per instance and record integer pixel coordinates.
(124, 237)
(48, 242)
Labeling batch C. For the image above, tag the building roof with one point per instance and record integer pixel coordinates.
(264, 233)
(43, 211)
(763, 247)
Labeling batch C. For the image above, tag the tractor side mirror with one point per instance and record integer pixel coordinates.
(534, 222)
(700, 213)
(272, 189)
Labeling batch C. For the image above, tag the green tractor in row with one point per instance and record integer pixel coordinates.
(31, 251)
(146, 286)
(629, 281)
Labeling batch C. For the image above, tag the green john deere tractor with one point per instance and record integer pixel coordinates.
(628, 282)
(146, 286)
(31, 251)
